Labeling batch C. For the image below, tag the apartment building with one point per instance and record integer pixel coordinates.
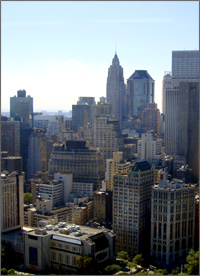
(172, 221)
(132, 209)
(12, 201)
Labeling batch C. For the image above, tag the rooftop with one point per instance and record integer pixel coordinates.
(140, 74)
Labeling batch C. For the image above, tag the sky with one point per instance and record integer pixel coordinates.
(61, 50)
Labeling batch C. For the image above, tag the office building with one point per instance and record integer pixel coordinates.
(100, 108)
(57, 190)
(172, 221)
(140, 91)
(103, 206)
(11, 163)
(21, 108)
(151, 119)
(86, 164)
(86, 100)
(81, 113)
(150, 148)
(115, 165)
(82, 189)
(188, 125)
(115, 90)
(180, 94)
(10, 137)
(60, 245)
(12, 202)
(132, 209)
(107, 135)
(185, 67)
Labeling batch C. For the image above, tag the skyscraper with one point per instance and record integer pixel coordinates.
(115, 91)
(172, 221)
(21, 108)
(132, 209)
(140, 91)
(185, 69)
(12, 202)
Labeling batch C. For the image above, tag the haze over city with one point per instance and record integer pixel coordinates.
(58, 51)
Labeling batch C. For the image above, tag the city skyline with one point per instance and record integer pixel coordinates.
(59, 51)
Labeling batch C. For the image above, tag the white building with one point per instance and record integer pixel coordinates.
(67, 179)
(107, 135)
(149, 148)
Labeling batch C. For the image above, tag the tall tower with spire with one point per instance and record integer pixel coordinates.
(115, 90)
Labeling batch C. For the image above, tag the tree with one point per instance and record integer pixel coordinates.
(4, 271)
(84, 264)
(11, 271)
(27, 198)
(192, 265)
(175, 271)
(138, 260)
(111, 269)
(123, 255)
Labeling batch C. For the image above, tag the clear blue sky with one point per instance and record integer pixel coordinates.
(58, 51)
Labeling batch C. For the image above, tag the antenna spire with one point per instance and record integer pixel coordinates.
(115, 47)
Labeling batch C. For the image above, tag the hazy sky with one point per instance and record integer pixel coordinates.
(58, 51)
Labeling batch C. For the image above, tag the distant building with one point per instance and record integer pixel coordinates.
(11, 163)
(100, 108)
(87, 165)
(10, 137)
(115, 90)
(151, 119)
(107, 135)
(115, 165)
(81, 113)
(12, 202)
(140, 91)
(132, 209)
(172, 221)
(21, 108)
(150, 148)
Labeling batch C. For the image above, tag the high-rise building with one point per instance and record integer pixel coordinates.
(115, 165)
(100, 108)
(140, 91)
(102, 203)
(115, 91)
(37, 152)
(107, 135)
(172, 221)
(151, 119)
(180, 98)
(12, 202)
(21, 108)
(81, 112)
(132, 209)
(149, 148)
(188, 125)
(11, 163)
(10, 137)
(86, 164)
(185, 67)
